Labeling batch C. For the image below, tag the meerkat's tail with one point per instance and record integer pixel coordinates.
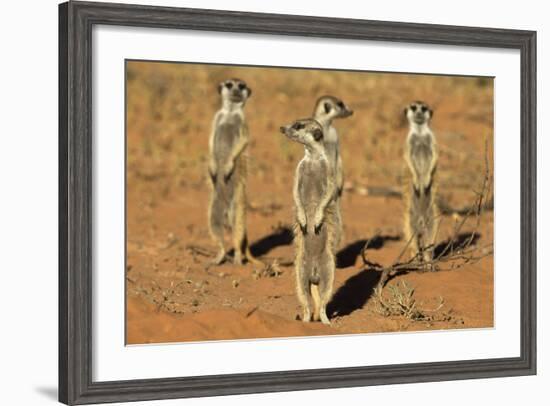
(315, 295)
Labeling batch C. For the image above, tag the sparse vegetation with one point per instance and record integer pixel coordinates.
(400, 301)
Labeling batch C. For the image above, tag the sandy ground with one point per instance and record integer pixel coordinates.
(173, 297)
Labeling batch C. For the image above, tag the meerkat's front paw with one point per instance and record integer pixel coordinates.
(318, 226)
(212, 176)
(212, 171)
(302, 222)
(318, 221)
(228, 171)
(417, 186)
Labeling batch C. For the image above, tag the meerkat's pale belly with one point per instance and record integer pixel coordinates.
(313, 186)
(227, 135)
(421, 149)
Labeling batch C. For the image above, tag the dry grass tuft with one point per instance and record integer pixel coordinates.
(400, 302)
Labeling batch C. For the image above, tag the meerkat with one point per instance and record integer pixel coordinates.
(313, 195)
(227, 169)
(421, 158)
(328, 108)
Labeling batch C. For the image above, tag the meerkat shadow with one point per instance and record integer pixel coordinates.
(461, 241)
(353, 294)
(347, 256)
(282, 235)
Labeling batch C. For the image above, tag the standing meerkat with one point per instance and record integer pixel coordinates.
(327, 108)
(313, 193)
(421, 157)
(227, 169)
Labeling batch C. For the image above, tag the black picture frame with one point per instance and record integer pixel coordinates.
(76, 20)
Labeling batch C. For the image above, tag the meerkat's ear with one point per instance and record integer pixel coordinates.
(220, 86)
(249, 91)
(405, 111)
(327, 107)
(431, 113)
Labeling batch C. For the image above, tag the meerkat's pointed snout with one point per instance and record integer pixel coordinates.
(346, 110)
(288, 131)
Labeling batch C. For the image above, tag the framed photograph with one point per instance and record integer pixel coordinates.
(259, 202)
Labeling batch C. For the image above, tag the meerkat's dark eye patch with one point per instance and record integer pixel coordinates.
(328, 107)
(340, 104)
(317, 134)
(298, 126)
(413, 107)
(242, 86)
(424, 109)
(229, 85)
